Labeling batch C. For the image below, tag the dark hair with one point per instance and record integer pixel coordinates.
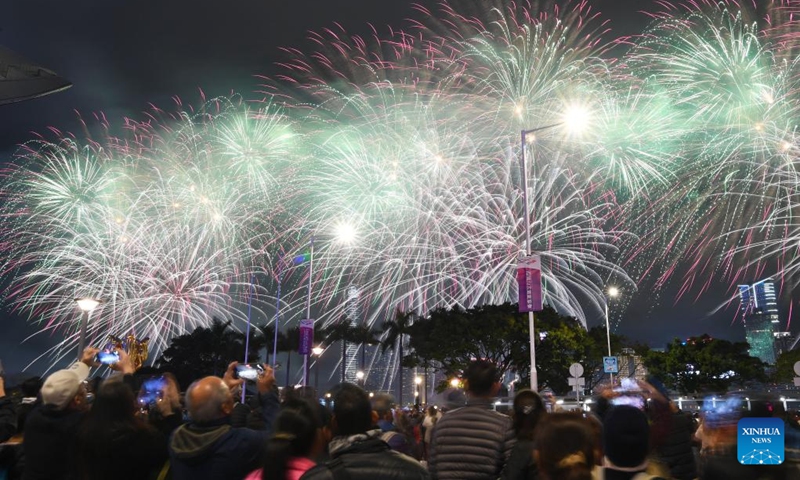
(113, 411)
(296, 430)
(30, 387)
(352, 410)
(481, 375)
(565, 447)
(528, 409)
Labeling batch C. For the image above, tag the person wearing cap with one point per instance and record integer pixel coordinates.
(50, 429)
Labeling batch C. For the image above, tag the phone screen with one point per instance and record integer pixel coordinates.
(631, 400)
(108, 357)
(249, 372)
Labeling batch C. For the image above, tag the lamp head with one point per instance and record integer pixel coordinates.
(87, 304)
(317, 351)
(613, 292)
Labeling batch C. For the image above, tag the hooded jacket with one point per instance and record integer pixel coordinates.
(214, 450)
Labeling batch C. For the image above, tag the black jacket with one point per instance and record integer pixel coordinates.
(471, 443)
(131, 453)
(675, 449)
(521, 465)
(49, 445)
(368, 460)
(8, 419)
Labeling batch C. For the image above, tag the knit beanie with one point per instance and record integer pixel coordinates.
(626, 436)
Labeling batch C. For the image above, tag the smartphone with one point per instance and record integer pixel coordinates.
(152, 390)
(248, 371)
(108, 357)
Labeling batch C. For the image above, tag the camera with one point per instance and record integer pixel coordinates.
(248, 371)
(108, 357)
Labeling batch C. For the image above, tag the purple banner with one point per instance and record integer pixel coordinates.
(529, 281)
(306, 337)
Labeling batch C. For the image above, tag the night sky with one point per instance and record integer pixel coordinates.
(123, 54)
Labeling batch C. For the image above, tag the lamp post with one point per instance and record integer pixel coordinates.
(417, 382)
(317, 352)
(86, 304)
(360, 378)
(576, 119)
(612, 292)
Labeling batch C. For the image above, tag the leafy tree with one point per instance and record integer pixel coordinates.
(206, 351)
(705, 364)
(453, 338)
(784, 366)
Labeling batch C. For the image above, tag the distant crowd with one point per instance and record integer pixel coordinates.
(130, 426)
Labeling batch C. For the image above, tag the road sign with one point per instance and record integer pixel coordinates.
(610, 365)
(575, 383)
(306, 336)
(529, 282)
(576, 370)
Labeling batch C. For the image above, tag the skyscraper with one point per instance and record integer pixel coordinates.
(351, 351)
(760, 314)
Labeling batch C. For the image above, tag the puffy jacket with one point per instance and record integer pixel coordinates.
(368, 460)
(675, 449)
(471, 443)
(49, 444)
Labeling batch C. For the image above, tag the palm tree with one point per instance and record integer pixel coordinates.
(394, 333)
(268, 333)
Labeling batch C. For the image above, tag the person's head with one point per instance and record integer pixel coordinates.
(626, 437)
(209, 399)
(352, 412)
(482, 379)
(383, 404)
(65, 390)
(528, 409)
(564, 448)
(172, 389)
(114, 402)
(298, 433)
(432, 412)
(31, 387)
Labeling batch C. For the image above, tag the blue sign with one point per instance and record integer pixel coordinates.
(760, 441)
(610, 365)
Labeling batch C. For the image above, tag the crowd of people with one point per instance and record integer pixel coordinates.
(129, 427)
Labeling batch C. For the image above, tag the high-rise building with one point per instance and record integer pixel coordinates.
(351, 351)
(759, 309)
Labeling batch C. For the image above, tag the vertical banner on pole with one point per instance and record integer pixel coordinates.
(529, 280)
(306, 336)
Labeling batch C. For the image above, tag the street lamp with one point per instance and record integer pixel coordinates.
(417, 382)
(360, 378)
(86, 304)
(575, 119)
(612, 292)
(317, 352)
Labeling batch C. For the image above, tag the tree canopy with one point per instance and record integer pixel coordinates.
(705, 364)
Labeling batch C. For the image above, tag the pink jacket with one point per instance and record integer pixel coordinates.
(295, 469)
